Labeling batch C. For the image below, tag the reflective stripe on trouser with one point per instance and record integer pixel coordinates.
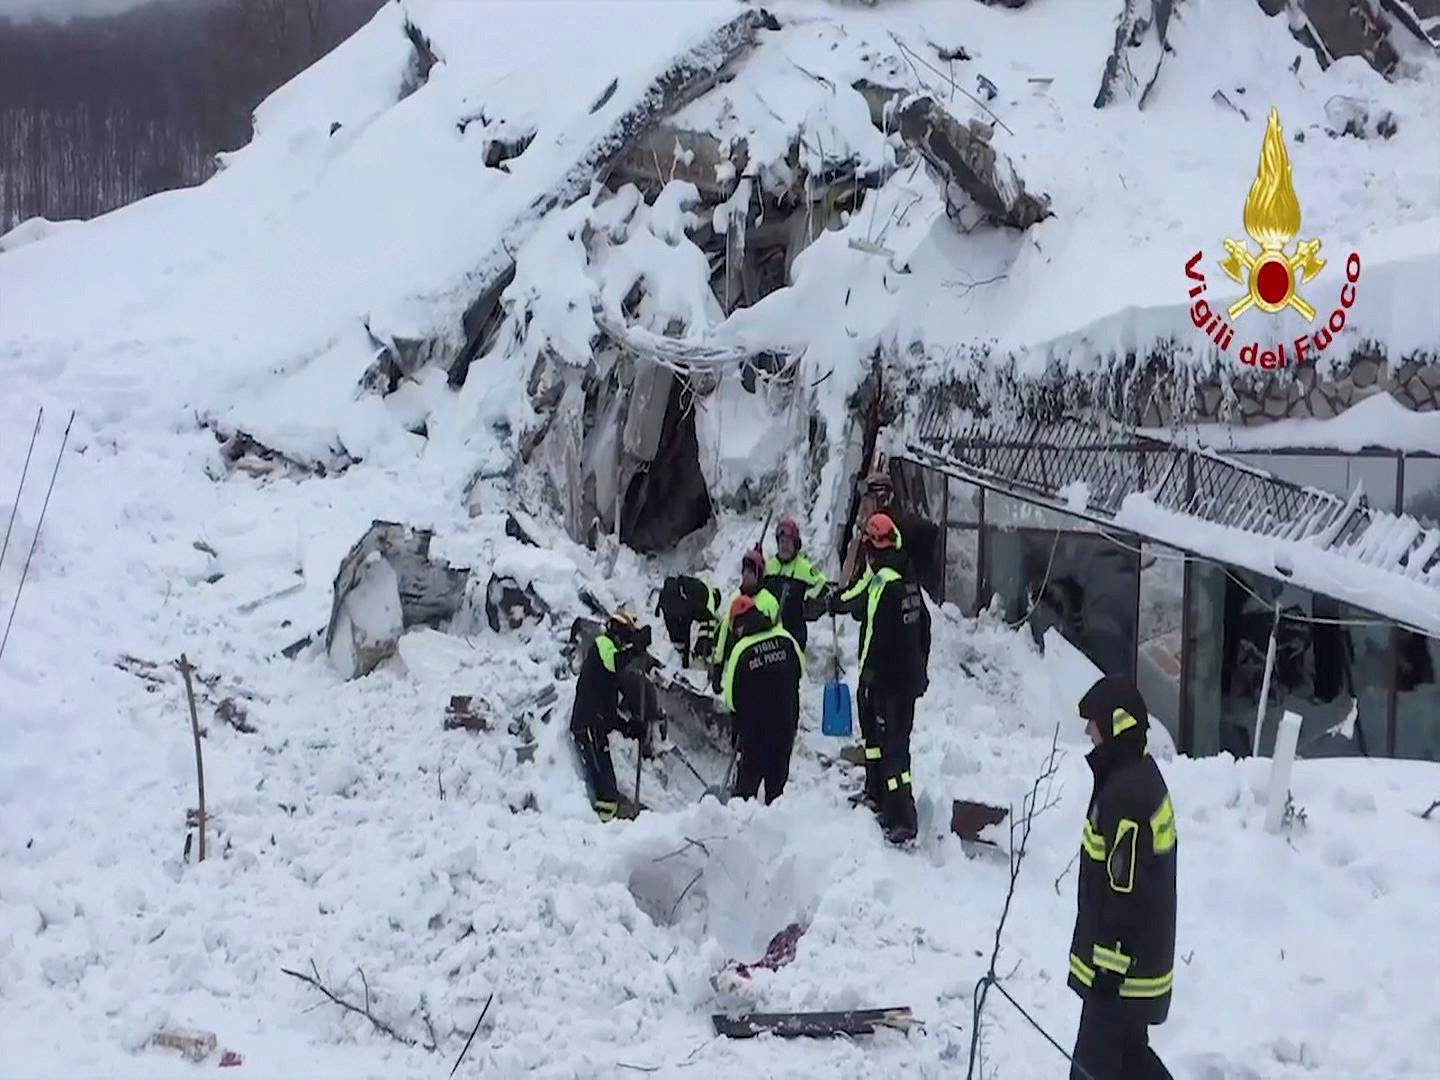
(1131, 986)
(606, 810)
(895, 716)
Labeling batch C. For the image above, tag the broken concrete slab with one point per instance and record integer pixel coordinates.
(670, 153)
(426, 592)
(961, 152)
(367, 622)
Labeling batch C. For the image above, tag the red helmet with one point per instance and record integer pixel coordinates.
(880, 531)
(740, 605)
(753, 561)
(788, 527)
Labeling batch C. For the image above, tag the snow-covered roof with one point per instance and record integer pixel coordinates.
(254, 291)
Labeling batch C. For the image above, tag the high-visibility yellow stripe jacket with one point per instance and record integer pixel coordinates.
(1125, 911)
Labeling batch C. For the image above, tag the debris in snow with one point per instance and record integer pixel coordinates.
(521, 526)
(986, 87)
(1220, 99)
(422, 59)
(231, 712)
(367, 622)
(962, 153)
(507, 602)
(249, 455)
(230, 1059)
(1137, 53)
(1346, 115)
(196, 1045)
(1332, 29)
(464, 711)
(778, 953)
(969, 819)
(812, 1024)
(387, 583)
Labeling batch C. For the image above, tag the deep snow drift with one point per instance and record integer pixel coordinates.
(245, 303)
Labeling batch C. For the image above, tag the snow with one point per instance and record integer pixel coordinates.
(352, 830)
(1379, 421)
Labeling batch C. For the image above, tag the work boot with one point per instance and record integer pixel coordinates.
(900, 835)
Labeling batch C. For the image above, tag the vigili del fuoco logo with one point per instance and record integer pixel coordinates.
(1273, 276)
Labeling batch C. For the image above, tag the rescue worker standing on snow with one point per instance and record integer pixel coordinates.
(894, 673)
(752, 569)
(1122, 954)
(609, 664)
(761, 685)
(794, 581)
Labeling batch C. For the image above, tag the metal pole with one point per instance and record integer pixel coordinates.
(185, 670)
(1392, 665)
(24, 471)
(1265, 685)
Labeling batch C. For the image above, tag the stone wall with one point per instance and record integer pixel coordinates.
(1415, 384)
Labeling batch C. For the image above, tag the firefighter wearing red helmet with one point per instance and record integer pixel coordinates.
(793, 580)
(894, 673)
(761, 687)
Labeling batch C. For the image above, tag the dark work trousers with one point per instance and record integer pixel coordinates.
(873, 742)
(1113, 1046)
(896, 716)
(764, 758)
(593, 748)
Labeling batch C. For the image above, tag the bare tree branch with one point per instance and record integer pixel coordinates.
(1031, 806)
(318, 984)
(965, 288)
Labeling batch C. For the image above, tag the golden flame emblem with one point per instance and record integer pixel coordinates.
(1272, 218)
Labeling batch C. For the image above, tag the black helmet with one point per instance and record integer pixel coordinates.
(1115, 706)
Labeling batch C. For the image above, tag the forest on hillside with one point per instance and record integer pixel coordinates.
(98, 112)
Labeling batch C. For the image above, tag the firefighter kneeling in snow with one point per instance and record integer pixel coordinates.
(611, 694)
(1122, 955)
(894, 672)
(761, 685)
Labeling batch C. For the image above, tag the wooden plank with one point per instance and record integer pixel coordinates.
(791, 1025)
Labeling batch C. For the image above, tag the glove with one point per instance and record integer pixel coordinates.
(1106, 984)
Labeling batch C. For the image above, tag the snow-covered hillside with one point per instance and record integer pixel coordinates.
(364, 221)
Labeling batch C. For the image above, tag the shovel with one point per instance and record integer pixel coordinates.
(835, 710)
(722, 792)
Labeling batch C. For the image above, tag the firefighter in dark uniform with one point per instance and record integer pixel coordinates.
(894, 673)
(1122, 955)
(610, 695)
(752, 570)
(761, 685)
(685, 601)
(795, 583)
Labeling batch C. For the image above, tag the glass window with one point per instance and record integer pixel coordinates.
(1335, 473)
(1080, 583)
(1321, 670)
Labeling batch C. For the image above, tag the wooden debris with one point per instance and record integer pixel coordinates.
(812, 1024)
(231, 712)
(854, 754)
(196, 1045)
(464, 712)
(968, 819)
